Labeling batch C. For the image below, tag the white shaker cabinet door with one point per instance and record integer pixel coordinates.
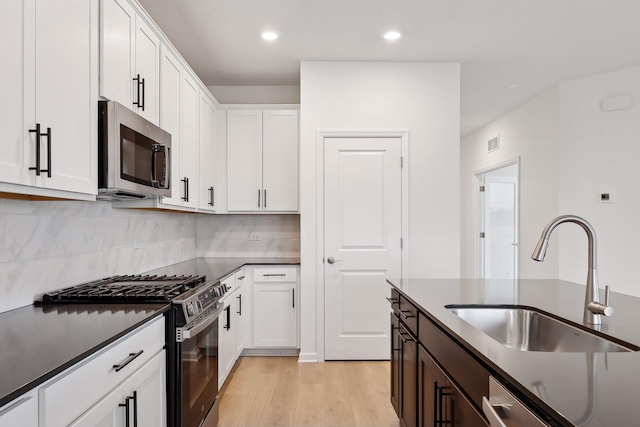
(208, 159)
(66, 93)
(17, 144)
(170, 87)
(189, 141)
(280, 160)
(117, 56)
(274, 315)
(244, 161)
(147, 67)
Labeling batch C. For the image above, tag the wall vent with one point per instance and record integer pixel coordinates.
(493, 144)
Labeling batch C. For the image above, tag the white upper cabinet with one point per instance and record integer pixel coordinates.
(280, 160)
(130, 59)
(207, 157)
(170, 88)
(189, 141)
(262, 161)
(244, 160)
(49, 82)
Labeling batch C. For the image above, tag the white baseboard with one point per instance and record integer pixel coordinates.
(308, 358)
(270, 352)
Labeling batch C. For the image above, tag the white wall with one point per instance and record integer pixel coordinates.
(45, 246)
(421, 98)
(570, 150)
(530, 132)
(600, 151)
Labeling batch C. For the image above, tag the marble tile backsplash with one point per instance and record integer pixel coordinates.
(47, 245)
(248, 235)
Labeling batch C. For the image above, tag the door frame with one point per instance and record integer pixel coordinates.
(478, 214)
(403, 135)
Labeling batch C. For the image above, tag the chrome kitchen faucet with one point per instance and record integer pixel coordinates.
(593, 308)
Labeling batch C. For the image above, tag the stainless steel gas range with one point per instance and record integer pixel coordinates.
(192, 335)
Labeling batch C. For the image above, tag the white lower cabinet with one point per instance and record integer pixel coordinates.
(135, 363)
(139, 401)
(231, 328)
(275, 306)
(21, 412)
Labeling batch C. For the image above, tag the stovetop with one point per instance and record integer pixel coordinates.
(125, 289)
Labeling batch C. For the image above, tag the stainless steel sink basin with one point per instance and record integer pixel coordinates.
(527, 329)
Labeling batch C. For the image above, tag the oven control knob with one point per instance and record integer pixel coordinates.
(191, 309)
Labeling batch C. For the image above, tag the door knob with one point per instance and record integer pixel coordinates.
(332, 260)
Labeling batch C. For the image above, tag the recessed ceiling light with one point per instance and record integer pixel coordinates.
(512, 86)
(392, 35)
(269, 35)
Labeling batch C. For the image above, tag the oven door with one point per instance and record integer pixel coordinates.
(198, 376)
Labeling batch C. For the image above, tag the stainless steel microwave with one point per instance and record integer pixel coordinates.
(134, 155)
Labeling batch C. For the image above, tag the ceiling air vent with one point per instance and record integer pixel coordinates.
(493, 144)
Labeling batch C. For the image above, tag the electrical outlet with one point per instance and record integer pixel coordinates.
(137, 243)
(254, 236)
(607, 197)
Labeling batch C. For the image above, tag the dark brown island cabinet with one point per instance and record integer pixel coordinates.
(434, 381)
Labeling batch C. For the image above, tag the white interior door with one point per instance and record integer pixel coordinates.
(500, 242)
(362, 199)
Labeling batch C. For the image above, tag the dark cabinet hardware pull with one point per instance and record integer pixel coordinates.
(185, 180)
(265, 198)
(274, 275)
(142, 106)
(38, 150)
(211, 196)
(293, 292)
(125, 362)
(228, 325)
(125, 405)
(241, 277)
(135, 409)
(436, 389)
(239, 304)
(405, 316)
(38, 134)
(393, 300)
(259, 197)
(139, 83)
(48, 169)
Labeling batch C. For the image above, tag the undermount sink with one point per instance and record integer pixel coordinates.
(528, 329)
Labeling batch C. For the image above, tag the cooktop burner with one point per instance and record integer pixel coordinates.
(121, 289)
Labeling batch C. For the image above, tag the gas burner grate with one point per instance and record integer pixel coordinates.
(122, 289)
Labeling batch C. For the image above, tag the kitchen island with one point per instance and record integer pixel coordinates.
(585, 389)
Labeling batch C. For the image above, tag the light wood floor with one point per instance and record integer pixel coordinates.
(279, 391)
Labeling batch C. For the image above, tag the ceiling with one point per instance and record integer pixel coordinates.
(534, 44)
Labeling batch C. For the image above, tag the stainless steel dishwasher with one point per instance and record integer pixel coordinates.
(502, 409)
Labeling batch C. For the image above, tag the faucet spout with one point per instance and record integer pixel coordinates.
(593, 309)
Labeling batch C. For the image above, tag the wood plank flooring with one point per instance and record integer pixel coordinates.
(279, 391)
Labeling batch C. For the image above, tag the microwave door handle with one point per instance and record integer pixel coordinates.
(157, 150)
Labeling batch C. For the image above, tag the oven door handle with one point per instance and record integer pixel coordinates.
(193, 330)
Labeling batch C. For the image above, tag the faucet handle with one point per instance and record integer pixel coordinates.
(600, 308)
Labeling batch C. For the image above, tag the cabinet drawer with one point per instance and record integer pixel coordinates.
(79, 387)
(408, 314)
(461, 366)
(277, 274)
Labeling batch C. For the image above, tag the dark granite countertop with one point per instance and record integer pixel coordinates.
(217, 268)
(40, 342)
(584, 389)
